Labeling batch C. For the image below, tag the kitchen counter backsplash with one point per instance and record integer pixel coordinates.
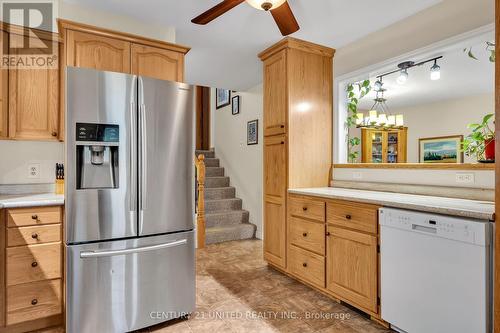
(15, 189)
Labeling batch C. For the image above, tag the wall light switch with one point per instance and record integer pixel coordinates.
(34, 170)
(464, 178)
(357, 175)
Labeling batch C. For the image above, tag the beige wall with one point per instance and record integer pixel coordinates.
(241, 162)
(444, 20)
(15, 156)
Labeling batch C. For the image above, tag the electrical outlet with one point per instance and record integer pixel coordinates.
(464, 178)
(34, 170)
(357, 175)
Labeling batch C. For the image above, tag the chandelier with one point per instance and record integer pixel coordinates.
(379, 116)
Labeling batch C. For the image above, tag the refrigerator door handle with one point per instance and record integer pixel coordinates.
(144, 159)
(133, 158)
(100, 254)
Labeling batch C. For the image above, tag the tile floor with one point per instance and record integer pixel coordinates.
(237, 292)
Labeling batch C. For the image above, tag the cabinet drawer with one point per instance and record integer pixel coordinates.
(308, 235)
(21, 217)
(33, 263)
(357, 216)
(31, 301)
(308, 208)
(307, 265)
(34, 235)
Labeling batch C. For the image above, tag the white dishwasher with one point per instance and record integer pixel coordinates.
(435, 272)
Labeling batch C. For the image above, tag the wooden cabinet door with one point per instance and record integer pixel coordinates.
(34, 103)
(4, 91)
(97, 52)
(275, 185)
(352, 267)
(157, 63)
(275, 94)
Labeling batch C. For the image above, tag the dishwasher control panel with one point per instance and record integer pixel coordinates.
(455, 228)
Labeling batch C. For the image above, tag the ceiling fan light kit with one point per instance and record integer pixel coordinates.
(279, 9)
(265, 4)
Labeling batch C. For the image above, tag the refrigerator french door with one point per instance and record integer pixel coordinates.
(129, 201)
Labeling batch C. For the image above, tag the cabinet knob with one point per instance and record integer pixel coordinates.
(348, 217)
(304, 234)
(282, 126)
(34, 236)
(34, 217)
(304, 208)
(34, 301)
(282, 142)
(54, 133)
(34, 264)
(304, 264)
(328, 233)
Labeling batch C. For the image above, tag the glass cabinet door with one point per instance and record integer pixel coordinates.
(377, 148)
(392, 147)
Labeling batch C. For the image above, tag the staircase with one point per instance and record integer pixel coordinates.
(225, 219)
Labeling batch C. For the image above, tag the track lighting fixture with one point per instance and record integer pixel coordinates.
(435, 71)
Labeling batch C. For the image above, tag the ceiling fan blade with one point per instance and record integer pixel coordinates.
(285, 19)
(216, 11)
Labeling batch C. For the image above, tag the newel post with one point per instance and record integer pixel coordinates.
(200, 219)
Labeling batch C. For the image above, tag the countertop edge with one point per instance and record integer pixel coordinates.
(31, 203)
(410, 206)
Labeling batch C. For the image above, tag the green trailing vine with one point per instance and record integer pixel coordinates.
(490, 47)
(353, 98)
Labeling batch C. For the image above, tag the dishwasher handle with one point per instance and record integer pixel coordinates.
(429, 230)
(100, 254)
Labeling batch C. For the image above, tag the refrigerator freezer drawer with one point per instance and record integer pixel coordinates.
(126, 285)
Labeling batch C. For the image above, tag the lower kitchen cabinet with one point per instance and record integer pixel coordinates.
(31, 261)
(332, 245)
(352, 266)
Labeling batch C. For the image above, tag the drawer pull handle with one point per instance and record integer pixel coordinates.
(34, 236)
(304, 264)
(34, 217)
(348, 217)
(34, 264)
(304, 234)
(304, 209)
(34, 301)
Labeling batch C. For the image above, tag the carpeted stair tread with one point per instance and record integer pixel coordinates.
(226, 217)
(227, 233)
(214, 193)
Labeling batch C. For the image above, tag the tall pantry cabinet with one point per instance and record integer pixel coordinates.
(298, 101)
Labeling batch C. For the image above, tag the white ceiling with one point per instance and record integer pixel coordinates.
(224, 52)
(461, 76)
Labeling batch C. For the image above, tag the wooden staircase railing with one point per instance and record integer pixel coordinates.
(200, 216)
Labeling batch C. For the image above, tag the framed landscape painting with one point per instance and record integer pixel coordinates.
(444, 149)
(222, 98)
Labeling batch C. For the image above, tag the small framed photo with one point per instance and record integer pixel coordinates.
(444, 149)
(222, 98)
(236, 105)
(253, 132)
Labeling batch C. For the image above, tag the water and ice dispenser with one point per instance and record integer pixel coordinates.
(97, 156)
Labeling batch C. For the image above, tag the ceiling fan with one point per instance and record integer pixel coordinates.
(280, 10)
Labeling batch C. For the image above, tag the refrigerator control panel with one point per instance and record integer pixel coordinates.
(97, 132)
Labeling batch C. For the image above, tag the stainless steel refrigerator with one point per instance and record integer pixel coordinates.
(129, 206)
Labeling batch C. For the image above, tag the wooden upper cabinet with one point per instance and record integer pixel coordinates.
(275, 88)
(4, 92)
(34, 101)
(157, 63)
(97, 52)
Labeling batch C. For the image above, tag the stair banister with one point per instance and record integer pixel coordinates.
(200, 217)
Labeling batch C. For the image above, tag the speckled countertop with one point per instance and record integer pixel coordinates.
(483, 210)
(31, 200)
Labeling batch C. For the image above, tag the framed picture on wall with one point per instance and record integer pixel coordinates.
(443, 149)
(253, 132)
(236, 105)
(222, 98)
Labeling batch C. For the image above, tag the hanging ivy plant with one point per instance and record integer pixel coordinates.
(490, 47)
(353, 97)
